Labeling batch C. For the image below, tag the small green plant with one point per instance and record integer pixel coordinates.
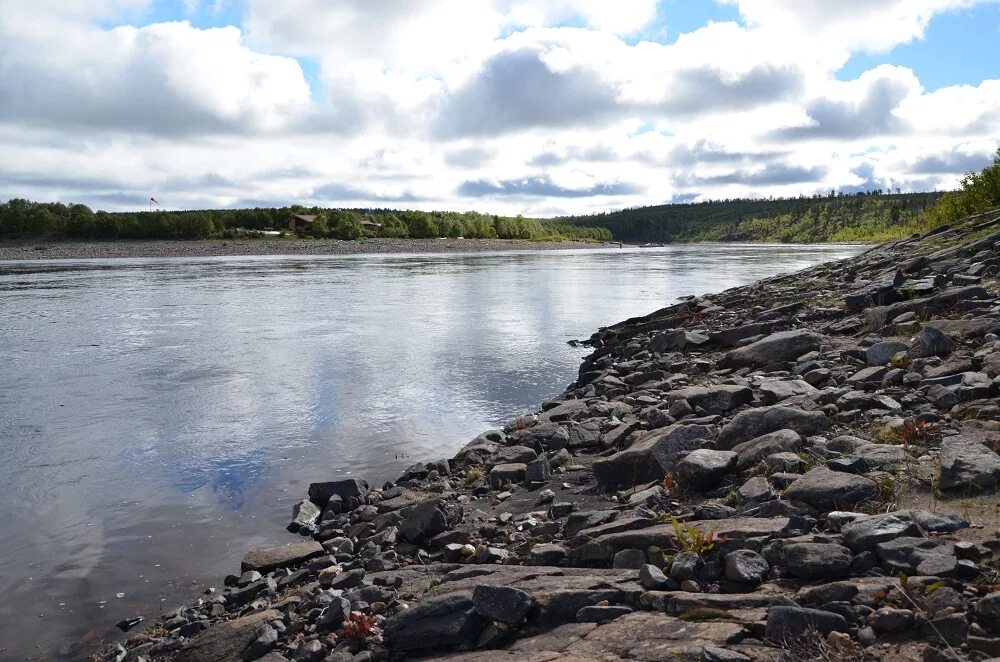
(474, 475)
(691, 539)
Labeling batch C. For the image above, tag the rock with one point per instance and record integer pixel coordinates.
(755, 489)
(830, 490)
(503, 604)
(504, 474)
(778, 390)
(881, 353)
(537, 471)
(987, 612)
(932, 342)
(888, 620)
(785, 624)
(351, 490)
(685, 566)
(601, 614)
(515, 455)
(266, 560)
(746, 567)
(712, 399)
(226, 640)
(703, 469)
(966, 464)
(650, 457)
(785, 462)
(756, 450)
(775, 348)
(631, 559)
(865, 533)
(809, 560)
(548, 554)
(305, 514)
(435, 623)
(652, 578)
(754, 423)
(427, 519)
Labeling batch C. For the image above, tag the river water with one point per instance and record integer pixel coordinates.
(158, 417)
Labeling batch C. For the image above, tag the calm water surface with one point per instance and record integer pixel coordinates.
(158, 417)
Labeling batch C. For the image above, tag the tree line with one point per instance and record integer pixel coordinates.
(19, 218)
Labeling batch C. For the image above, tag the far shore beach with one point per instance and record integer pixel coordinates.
(42, 249)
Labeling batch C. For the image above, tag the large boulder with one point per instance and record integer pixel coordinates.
(351, 490)
(650, 457)
(776, 348)
(703, 468)
(226, 641)
(831, 490)
(266, 560)
(967, 464)
(756, 450)
(786, 624)
(881, 353)
(435, 623)
(813, 560)
(776, 390)
(429, 518)
(865, 533)
(754, 423)
(713, 399)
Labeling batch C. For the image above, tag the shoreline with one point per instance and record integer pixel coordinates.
(24, 249)
(725, 475)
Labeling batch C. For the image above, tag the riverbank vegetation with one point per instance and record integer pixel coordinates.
(20, 218)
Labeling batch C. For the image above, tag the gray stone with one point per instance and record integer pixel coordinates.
(865, 533)
(631, 559)
(932, 342)
(650, 457)
(785, 462)
(703, 468)
(226, 640)
(305, 515)
(746, 567)
(831, 490)
(685, 566)
(785, 624)
(713, 399)
(504, 474)
(427, 519)
(503, 604)
(754, 423)
(537, 471)
(811, 561)
(548, 554)
(348, 489)
(266, 560)
(969, 465)
(515, 455)
(889, 620)
(652, 578)
(881, 353)
(266, 640)
(757, 488)
(437, 622)
(778, 390)
(776, 348)
(757, 449)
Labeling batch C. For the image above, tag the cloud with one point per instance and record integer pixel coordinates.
(166, 79)
(346, 192)
(776, 174)
(864, 107)
(541, 187)
(950, 163)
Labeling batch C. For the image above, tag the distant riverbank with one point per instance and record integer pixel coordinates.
(21, 249)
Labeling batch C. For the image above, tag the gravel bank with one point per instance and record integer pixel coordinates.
(83, 250)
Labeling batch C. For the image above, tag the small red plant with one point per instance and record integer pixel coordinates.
(361, 626)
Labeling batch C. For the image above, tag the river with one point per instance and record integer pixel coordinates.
(158, 417)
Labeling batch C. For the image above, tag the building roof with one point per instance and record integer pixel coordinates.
(305, 218)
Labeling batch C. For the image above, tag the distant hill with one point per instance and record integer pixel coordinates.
(872, 216)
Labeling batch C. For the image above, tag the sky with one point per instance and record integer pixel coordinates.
(533, 107)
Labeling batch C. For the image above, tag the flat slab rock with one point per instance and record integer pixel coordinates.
(662, 638)
(225, 641)
(266, 560)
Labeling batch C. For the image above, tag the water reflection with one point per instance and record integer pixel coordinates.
(159, 416)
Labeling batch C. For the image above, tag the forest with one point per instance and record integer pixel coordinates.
(20, 218)
(873, 216)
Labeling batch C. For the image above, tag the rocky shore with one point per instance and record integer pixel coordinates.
(804, 468)
(21, 249)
